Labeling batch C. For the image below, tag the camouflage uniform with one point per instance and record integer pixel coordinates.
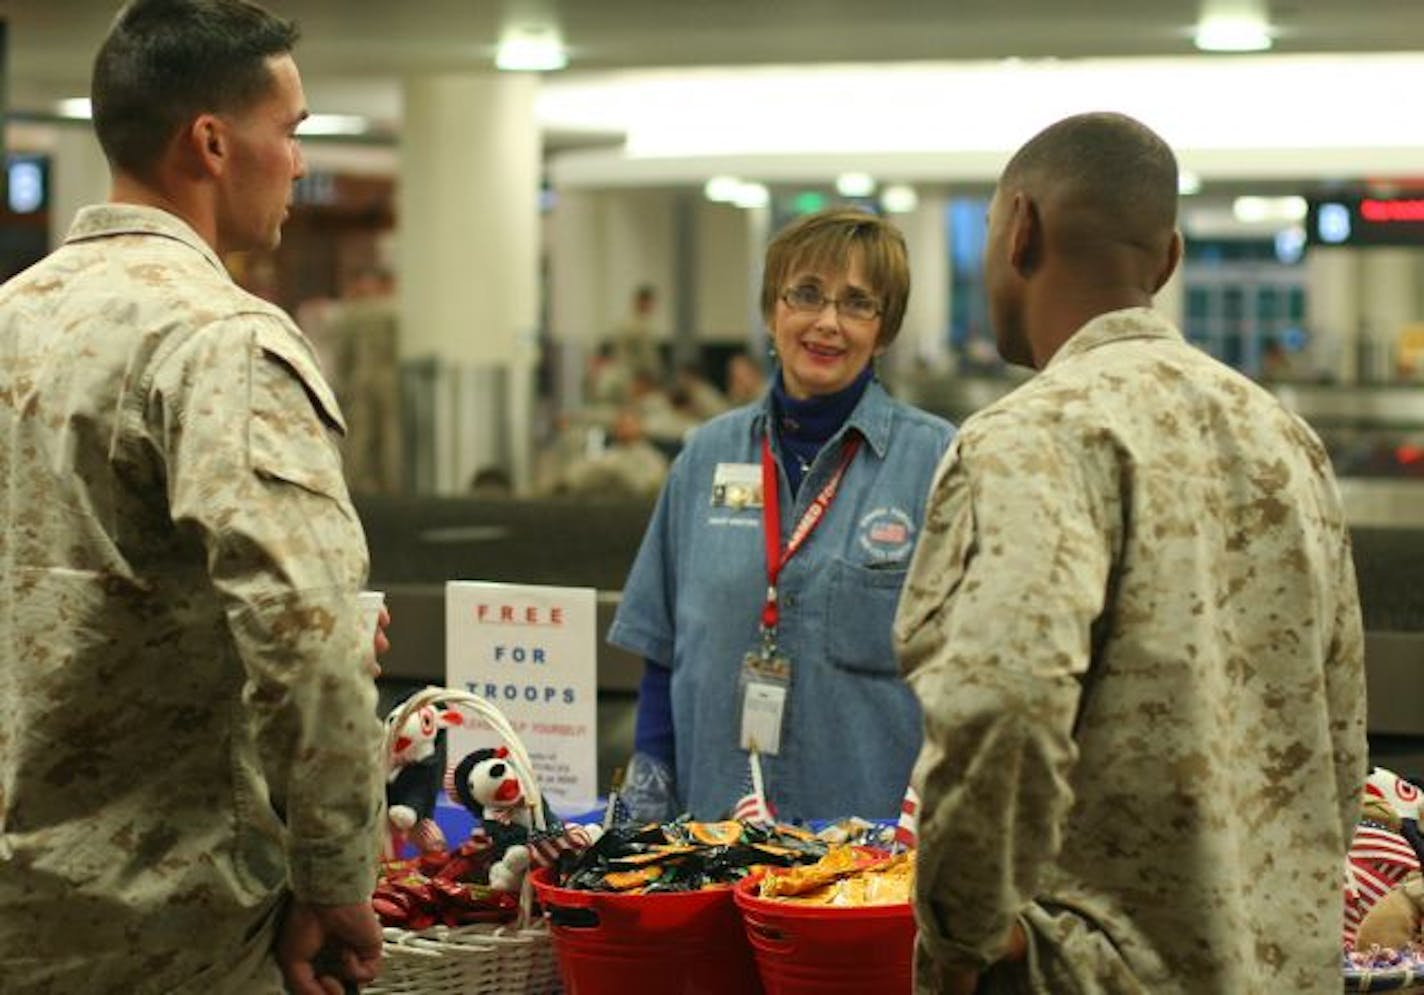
(1133, 625)
(180, 649)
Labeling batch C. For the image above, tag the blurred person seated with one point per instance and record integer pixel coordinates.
(702, 399)
(630, 467)
(608, 376)
(633, 340)
(358, 339)
(1277, 362)
(491, 482)
(666, 415)
(745, 380)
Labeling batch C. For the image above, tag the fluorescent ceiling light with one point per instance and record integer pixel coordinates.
(333, 124)
(1292, 116)
(75, 108)
(1250, 210)
(730, 190)
(721, 189)
(80, 109)
(1229, 35)
(751, 195)
(899, 199)
(855, 184)
(1233, 26)
(526, 49)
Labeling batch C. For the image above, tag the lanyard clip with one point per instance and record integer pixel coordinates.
(769, 616)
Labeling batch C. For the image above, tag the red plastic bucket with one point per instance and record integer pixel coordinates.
(672, 943)
(815, 950)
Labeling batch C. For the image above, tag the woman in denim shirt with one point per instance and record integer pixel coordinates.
(807, 677)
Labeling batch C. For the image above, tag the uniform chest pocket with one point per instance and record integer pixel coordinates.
(861, 606)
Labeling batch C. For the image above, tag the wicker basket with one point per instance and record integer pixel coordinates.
(511, 959)
(1400, 980)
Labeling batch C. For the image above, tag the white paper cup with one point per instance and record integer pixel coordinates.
(371, 603)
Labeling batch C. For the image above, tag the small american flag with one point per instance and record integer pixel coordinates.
(427, 836)
(546, 845)
(615, 812)
(907, 829)
(1379, 859)
(889, 532)
(753, 806)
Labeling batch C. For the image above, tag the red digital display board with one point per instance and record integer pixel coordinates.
(1357, 220)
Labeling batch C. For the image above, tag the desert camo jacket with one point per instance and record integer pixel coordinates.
(186, 727)
(1133, 625)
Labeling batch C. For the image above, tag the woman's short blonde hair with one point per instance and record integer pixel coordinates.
(825, 241)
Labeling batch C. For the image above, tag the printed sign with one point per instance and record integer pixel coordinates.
(532, 652)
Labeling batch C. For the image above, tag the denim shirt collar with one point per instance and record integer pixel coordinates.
(871, 418)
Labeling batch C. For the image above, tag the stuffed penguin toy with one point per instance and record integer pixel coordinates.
(484, 782)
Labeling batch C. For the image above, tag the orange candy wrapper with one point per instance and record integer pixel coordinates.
(846, 876)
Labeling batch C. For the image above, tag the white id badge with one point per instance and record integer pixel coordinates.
(763, 705)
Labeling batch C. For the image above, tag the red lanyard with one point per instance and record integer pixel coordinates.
(776, 557)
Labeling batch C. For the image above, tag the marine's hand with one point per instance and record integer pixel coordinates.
(1018, 943)
(322, 946)
(382, 644)
(965, 980)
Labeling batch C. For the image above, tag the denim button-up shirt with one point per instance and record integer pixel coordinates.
(693, 600)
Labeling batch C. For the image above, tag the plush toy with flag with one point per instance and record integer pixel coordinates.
(1387, 846)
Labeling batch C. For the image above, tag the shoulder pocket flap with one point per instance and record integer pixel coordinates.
(288, 348)
(294, 418)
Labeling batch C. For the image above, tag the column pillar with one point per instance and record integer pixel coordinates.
(469, 252)
(1387, 304)
(1332, 301)
(924, 336)
(78, 176)
(758, 236)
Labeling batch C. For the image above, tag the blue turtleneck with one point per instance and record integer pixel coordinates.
(803, 427)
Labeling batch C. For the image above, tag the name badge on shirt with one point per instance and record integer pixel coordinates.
(736, 485)
(763, 704)
(766, 675)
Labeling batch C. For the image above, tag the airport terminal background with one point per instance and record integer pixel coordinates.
(537, 459)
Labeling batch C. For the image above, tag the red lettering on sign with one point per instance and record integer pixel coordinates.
(1392, 210)
(523, 615)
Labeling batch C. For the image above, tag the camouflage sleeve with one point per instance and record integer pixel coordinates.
(245, 428)
(993, 634)
(1345, 688)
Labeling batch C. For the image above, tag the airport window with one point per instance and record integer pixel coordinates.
(1244, 305)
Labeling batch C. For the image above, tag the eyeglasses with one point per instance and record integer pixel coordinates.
(808, 299)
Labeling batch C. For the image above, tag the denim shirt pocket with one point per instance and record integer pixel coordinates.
(862, 602)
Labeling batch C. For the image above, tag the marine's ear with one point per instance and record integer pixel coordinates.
(1169, 265)
(208, 141)
(1025, 239)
